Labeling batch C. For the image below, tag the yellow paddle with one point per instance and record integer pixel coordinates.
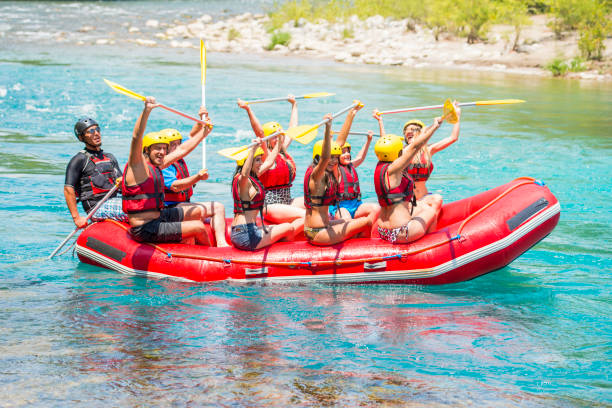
(476, 103)
(118, 88)
(307, 133)
(284, 98)
(238, 153)
(203, 80)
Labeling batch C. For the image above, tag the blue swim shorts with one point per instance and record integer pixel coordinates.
(350, 205)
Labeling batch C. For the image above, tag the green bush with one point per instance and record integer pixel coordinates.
(577, 65)
(558, 67)
(473, 18)
(233, 34)
(348, 33)
(279, 37)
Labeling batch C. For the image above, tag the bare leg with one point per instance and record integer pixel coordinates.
(279, 213)
(214, 210)
(195, 228)
(275, 233)
(341, 230)
(298, 202)
(419, 225)
(435, 202)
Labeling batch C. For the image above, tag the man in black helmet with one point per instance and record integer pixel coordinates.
(90, 174)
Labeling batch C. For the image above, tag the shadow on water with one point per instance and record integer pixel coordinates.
(33, 62)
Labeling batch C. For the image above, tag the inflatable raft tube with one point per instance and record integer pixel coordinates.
(474, 236)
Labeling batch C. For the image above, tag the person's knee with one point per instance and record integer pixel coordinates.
(218, 208)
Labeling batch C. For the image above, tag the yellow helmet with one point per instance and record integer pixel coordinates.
(346, 144)
(153, 138)
(413, 122)
(317, 149)
(271, 127)
(171, 134)
(387, 148)
(258, 152)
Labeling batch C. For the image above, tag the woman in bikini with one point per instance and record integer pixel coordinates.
(320, 192)
(421, 165)
(278, 173)
(249, 196)
(349, 191)
(402, 220)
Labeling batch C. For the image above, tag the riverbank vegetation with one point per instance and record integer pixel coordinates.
(471, 19)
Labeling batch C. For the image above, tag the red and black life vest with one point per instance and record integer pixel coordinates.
(179, 196)
(420, 171)
(256, 203)
(388, 197)
(146, 196)
(281, 176)
(348, 184)
(96, 180)
(329, 197)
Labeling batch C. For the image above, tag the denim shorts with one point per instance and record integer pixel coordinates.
(246, 236)
(166, 228)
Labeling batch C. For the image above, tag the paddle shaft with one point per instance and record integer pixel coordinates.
(335, 115)
(475, 103)
(203, 68)
(91, 214)
(359, 133)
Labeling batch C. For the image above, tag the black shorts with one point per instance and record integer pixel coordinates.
(166, 228)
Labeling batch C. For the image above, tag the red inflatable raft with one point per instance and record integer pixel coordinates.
(474, 236)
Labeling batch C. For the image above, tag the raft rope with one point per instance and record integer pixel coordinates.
(338, 262)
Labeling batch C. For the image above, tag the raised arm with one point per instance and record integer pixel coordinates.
(254, 121)
(271, 158)
(415, 145)
(319, 170)
(136, 161)
(197, 126)
(184, 149)
(363, 152)
(293, 119)
(376, 114)
(454, 136)
(243, 182)
(348, 122)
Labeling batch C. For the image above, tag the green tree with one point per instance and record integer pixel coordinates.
(515, 13)
(473, 18)
(594, 29)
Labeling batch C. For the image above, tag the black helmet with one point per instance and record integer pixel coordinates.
(83, 124)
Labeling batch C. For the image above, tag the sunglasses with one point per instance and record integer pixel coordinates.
(93, 130)
(413, 129)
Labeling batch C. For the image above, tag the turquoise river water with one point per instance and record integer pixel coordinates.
(536, 333)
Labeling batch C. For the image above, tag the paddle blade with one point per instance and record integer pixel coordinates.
(202, 62)
(317, 95)
(235, 153)
(499, 102)
(450, 114)
(303, 134)
(118, 88)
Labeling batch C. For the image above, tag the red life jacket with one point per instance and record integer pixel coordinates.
(348, 184)
(420, 171)
(329, 197)
(281, 176)
(256, 203)
(97, 180)
(388, 197)
(148, 195)
(181, 196)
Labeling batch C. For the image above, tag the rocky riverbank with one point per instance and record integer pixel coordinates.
(372, 41)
